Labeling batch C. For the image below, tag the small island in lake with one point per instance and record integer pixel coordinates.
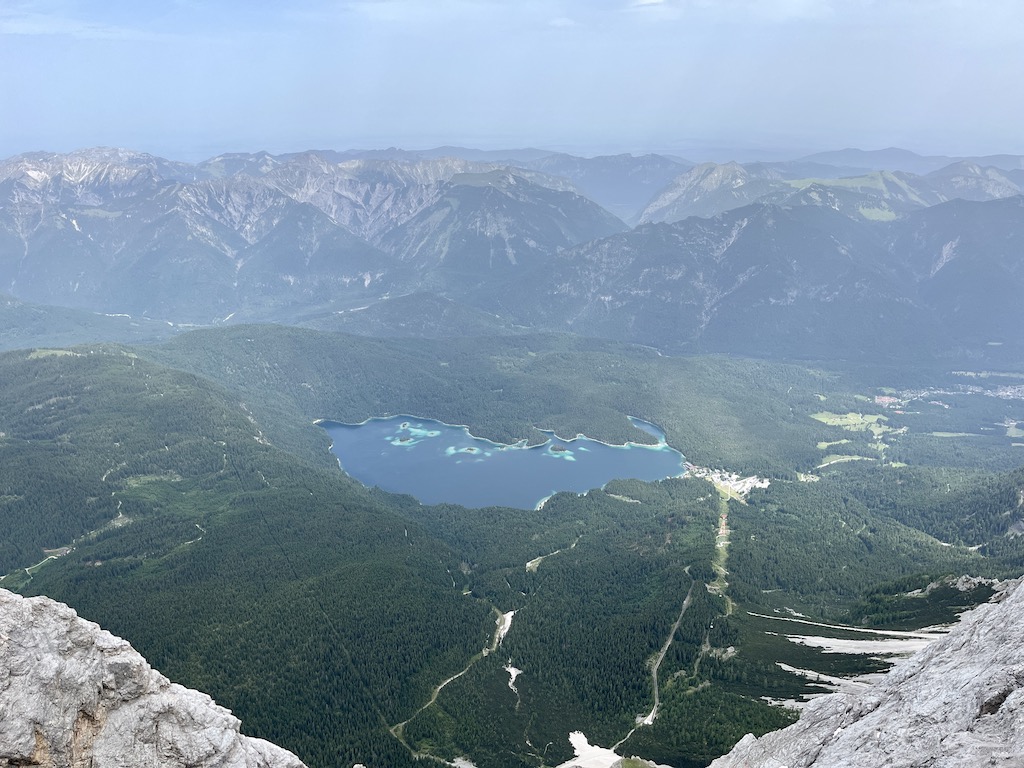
(441, 463)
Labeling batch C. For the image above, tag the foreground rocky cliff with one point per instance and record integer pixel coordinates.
(958, 703)
(73, 695)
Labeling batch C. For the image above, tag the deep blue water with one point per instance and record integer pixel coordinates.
(437, 462)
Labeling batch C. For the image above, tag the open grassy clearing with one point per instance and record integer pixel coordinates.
(721, 557)
(824, 446)
(36, 354)
(855, 422)
(876, 214)
(834, 458)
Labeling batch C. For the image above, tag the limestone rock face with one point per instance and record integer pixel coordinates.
(959, 703)
(74, 696)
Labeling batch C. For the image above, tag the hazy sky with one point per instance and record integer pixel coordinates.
(189, 78)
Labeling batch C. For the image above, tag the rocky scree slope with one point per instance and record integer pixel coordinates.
(124, 233)
(958, 703)
(72, 694)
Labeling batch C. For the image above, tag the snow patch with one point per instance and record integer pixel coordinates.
(588, 755)
(592, 756)
(513, 673)
(883, 647)
(504, 625)
(947, 255)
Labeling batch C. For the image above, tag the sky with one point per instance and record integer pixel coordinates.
(755, 78)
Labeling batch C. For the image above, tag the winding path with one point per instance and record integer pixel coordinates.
(654, 671)
(504, 623)
(534, 564)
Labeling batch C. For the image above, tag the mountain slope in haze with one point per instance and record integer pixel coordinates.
(23, 324)
(760, 278)
(622, 184)
(709, 189)
(105, 705)
(827, 267)
(800, 281)
(259, 237)
(90, 175)
(487, 226)
(891, 159)
(366, 196)
(193, 252)
(419, 314)
(894, 159)
(966, 258)
(967, 180)
(369, 196)
(959, 702)
(522, 155)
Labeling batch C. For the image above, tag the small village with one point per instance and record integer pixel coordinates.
(730, 482)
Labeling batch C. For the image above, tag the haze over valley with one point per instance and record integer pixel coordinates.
(760, 259)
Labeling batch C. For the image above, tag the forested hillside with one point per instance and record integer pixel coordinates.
(718, 411)
(190, 505)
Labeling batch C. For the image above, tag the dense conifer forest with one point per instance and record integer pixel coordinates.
(192, 507)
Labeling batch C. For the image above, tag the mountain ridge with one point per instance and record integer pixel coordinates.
(876, 194)
(303, 237)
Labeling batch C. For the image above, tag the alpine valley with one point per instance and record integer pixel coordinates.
(833, 343)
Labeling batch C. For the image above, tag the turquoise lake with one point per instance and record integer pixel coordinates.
(437, 462)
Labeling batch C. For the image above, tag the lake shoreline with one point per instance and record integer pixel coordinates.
(436, 462)
(521, 444)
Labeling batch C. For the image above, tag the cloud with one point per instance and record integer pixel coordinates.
(33, 23)
(737, 10)
(414, 10)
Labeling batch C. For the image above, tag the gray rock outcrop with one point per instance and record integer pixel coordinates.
(959, 703)
(74, 696)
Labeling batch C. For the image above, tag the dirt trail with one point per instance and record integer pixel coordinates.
(534, 564)
(654, 671)
(504, 623)
(721, 559)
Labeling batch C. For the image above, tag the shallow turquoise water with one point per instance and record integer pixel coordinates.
(437, 462)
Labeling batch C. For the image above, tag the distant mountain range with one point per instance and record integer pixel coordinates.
(802, 281)
(895, 159)
(710, 189)
(791, 259)
(262, 237)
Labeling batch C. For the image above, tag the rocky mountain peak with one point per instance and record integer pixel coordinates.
(957, 703)
(72, 694)
(110, 167)
(708, 189)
